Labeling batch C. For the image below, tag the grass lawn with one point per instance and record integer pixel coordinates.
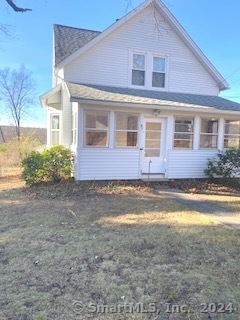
(68, 250)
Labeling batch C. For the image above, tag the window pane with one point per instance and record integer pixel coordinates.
(183, 144)
(232, 127)
(126, 121)
(55, 137)
(96, 119)
(153, 126)
(208, 141)
(183, 136)
(139, 61)
(209, 126)
(153, 135)
(152, 144)
(231, 142)
(138, 78)
(96, 138)
(159, 64)
(158, 80)
(126, 139)
(152, 152)
(55, 122)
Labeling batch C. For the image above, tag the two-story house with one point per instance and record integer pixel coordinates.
(137, 100)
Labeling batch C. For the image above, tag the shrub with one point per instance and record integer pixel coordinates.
(226, 165)
(52, 165)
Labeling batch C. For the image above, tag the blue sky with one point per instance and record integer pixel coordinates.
(214, 25)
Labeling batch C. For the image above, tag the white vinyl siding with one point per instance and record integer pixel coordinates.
(108, 164)
(188, 163)
(186, 73)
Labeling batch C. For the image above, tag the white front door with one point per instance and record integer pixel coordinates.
(153, 146)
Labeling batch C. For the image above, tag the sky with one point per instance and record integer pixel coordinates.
(214, 25)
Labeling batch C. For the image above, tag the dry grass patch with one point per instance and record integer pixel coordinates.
(111, 245)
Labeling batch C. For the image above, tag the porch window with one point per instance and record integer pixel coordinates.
(96, 128)
(55, 129)
(209, 133)
(138, 69)
(232, 134)
(159, 71)
(74, 128)
(183, 136)
(126, 129)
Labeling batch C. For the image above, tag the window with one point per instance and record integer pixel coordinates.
(209, 133)
(96, 128)
(138, 69)
(153, 139)
(74, 128)
(158, 75)
(183, 136)
(232, 134)
(55, 129)
(126, 129)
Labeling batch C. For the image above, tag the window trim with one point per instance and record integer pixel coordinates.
(55, 130)
(92, 129)
(149, 55)
(74, 128)
(208, 134)
(144, 70)
(230, 134)
(115, 130)
(190, 134)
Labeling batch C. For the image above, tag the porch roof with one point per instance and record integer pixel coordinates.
(99, 93)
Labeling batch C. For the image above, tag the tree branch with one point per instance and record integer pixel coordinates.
(16, 8)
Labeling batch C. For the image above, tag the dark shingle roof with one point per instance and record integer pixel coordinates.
(69, 39)
(149, 97)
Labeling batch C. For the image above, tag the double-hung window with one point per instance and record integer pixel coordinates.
(55, 129)
(209, 133)
(96, 128)
(159, 71)
(232, 134)
(126, 129)
(138, 69)
(183, 136)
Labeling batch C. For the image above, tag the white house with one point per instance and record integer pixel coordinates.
(137, 100)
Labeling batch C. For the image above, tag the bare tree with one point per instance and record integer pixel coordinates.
(16, 8)
(17, 93)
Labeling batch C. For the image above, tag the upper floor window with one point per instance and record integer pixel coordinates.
(183, 136)
(232, 134)
(126, 129)
(96, 128)
(158, 74)
(209, 133)
(138, 69)
(55, 129)
(148, 70)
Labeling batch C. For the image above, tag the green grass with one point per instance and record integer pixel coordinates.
(111, 244)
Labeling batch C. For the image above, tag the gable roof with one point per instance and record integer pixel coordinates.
(68, 40)
(172, 100)
(66, 52)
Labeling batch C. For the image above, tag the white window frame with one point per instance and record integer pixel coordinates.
(165, 67)
(93, 129)
(209, 134)
(55, 130)
(227, 135)
(123, 130)
(149, 58)
(136, 69)
(191, 134)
